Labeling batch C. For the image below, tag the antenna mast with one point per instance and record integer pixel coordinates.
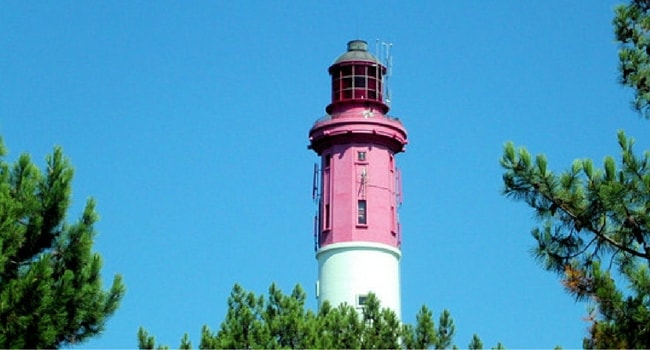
(385, 56)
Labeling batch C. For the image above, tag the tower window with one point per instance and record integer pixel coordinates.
(362, 299)
(327, 161)
(361, 156)
(327, 216)
(393, 221)
(362, 215)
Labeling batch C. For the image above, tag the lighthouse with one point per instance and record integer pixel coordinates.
(357, 187)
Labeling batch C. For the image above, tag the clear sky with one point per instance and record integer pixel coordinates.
(188, 123)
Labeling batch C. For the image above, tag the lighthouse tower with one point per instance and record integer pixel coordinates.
(357, 232)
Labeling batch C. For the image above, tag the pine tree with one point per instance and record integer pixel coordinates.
(244, 326)
(145, 341)
(381, 328)
(595, 225)
(476, 343)
(51, 292)
(446, 331)
(285, 318)
(424, 335)
(280, 321)
(186, 344)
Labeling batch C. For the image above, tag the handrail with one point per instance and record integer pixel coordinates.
(356, 114)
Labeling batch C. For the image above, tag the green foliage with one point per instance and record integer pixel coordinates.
(593, 218)
(51, 292)
(631, 27)
(338, 328)
(284, 316)
(476, 343)
(595, 224)
(281, 322)
(424, 335)
(587, 214)
(186, 344)
(446, 330)
(145, 341)
(381, 328)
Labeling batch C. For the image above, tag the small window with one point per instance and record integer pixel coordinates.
(361, 156)
(327, 216)
(361, 300)
(362, 213)
(328, 160)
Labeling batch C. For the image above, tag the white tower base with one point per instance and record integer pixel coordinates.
(348, 271)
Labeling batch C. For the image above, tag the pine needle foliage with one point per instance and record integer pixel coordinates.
(280, 321)
(476, 343)
(51, 292)
(594, 227)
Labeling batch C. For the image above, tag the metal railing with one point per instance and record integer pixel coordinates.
(359, 114)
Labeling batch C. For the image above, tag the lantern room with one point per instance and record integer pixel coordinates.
(357, 77)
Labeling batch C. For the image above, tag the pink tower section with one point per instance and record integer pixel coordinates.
(360, 187)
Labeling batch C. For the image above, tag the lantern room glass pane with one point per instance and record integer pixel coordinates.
(336, 89)
(357, 81)
(372, 71)
(372, 84)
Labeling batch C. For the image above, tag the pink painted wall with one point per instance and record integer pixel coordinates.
(347, 179)
(357, 122)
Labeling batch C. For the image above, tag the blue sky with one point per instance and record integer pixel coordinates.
(188, 122)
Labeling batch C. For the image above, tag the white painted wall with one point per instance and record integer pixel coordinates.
(349, 269)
